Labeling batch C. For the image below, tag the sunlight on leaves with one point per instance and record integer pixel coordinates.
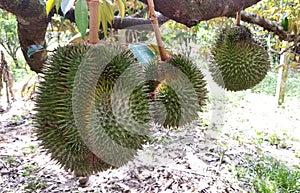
(50, 4)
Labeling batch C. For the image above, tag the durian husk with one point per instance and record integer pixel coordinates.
(118, 122)
(177, 89)
(238, 63)
(57, 129)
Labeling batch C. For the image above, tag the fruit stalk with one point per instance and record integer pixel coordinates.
(238, 18)
(154, 21)
(93, 8)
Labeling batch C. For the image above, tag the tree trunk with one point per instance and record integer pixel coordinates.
(282, 76)
(32, 25)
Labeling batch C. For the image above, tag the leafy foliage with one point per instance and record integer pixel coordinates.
(105, 12)
(286, 12)
(269, 175)
(9, 35)
(268, 85)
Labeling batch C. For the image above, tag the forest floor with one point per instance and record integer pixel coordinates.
(206, 156)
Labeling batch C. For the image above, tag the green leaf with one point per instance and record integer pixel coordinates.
(122, 5)
(81, 16)
(50, 4)
(34, 49)
(141, 52)
(285, 23)
(103, 17)
(108, 12)
(99, 15)
(57, 4)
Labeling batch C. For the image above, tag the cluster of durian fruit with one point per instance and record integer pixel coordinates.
(72, 145)
(172, 95)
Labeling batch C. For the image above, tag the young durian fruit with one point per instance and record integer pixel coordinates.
(238, 63)
(54, 118)
(177, 91)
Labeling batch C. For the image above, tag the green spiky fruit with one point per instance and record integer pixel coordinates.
(54, 118)
(120, 120)
(178, 91)
(238, 63)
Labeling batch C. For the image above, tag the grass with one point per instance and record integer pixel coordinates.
(269, 83)
(9, 159)
(261, 173)
(34, 184)
(268, 175)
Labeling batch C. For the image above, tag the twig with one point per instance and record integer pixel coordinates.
(221, 158)
(4, 164)
(238, 18)
(153, 18)
(287, 49)
(269, 25)
(168, 184)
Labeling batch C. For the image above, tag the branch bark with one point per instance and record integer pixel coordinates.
(32, 25)
(270, 26)
(191, 13)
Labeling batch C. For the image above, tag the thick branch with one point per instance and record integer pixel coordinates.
(191, 13)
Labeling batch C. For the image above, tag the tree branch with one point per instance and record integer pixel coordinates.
(270, 26)
(118, 23)
(191, 13)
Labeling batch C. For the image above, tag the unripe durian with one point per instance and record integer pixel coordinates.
(178, 91)
(238, 63)
(54, 118)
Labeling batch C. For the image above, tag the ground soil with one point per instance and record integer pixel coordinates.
(198, 158)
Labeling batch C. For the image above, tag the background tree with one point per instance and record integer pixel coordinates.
(9, 35)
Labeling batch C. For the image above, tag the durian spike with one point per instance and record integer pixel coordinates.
(93, 8)
(238, 18)
(163, 55)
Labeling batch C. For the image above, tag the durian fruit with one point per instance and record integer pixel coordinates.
(178, 91)
(238, 63)
(57, 129)
(120, 119)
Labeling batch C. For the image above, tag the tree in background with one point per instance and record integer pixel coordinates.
(9, 35)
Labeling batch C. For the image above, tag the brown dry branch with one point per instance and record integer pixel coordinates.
(6, 76)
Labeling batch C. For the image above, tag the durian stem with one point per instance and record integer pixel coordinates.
(238, 18)
(154, 21)
(93, 34)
